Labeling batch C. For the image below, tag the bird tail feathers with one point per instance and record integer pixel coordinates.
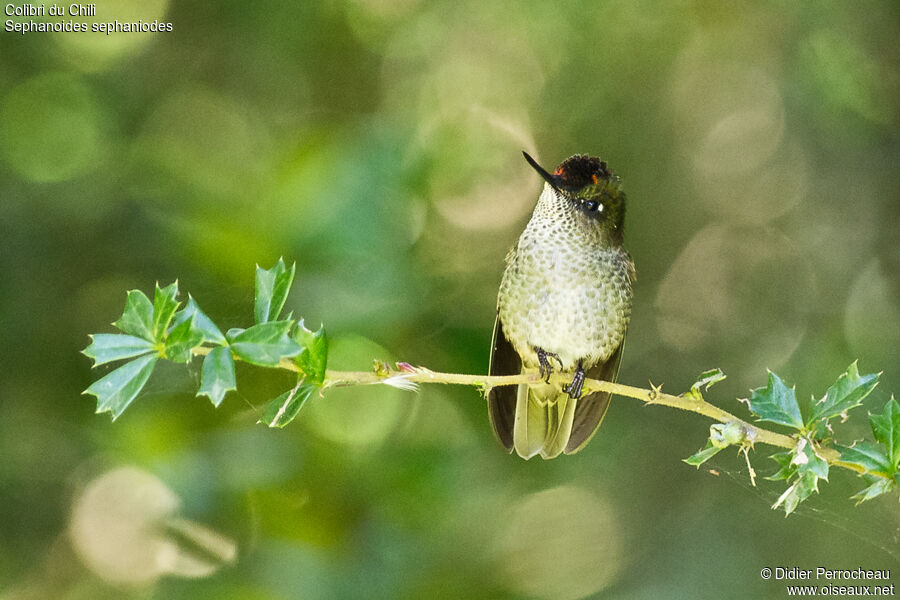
(543, 421)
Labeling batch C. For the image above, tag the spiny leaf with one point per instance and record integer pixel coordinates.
(217, 377)
(707, 379)
(164, 307)
(202, 323)
(283, 409)
(704, 454)
(807, 460)
(107, 347)
(787, 468)
(798, 491)
(886, 429)
(120, 387)
(776, 403)
(868, 456)
(272, 287)
(313, 359)
(264, 344)
(183, 338)
(845, 393)
(879, 487)
(137, 319)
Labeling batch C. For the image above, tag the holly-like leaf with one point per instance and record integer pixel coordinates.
(264, 344)
(120, 387)
(313, 359)
(800, 490)
(787, 468)
(868, 456)
(202, 323)
(879, 487)
(807, 460)
(182, 340)
(272, 287)
(107, 347)
(217, 377)
(886, 429)
(137, 319)
(707, 379)
(164, 307)
(776, 403)
(283, 409)
(845, 393)
(704, 454)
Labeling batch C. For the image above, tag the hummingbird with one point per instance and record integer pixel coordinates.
(564, 305)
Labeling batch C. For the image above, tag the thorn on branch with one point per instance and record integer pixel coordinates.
(381, 368)
(655, 391)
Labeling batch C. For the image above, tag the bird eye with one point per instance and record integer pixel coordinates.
(593, 206)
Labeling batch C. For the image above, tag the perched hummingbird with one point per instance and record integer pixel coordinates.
(564, 304)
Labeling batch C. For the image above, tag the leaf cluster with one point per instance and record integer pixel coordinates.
(164, 329)
(808, 462)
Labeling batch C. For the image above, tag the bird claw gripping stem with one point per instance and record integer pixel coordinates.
(545, 369)
(574, 388)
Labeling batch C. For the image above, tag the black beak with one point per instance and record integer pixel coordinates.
(547, 176)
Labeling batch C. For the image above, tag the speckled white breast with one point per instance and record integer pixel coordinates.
(565, 289)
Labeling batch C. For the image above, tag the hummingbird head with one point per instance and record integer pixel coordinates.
(591, 188)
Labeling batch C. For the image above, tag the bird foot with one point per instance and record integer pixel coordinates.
(574, 389)
(545, 369)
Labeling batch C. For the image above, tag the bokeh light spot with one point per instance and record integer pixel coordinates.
(125, 529)
(736, 287)
(758, 196)
(199, 142)
(742, 140)
(847, 78)
(361, 415)
(477, 183)
(49, 128)
(872, 319)
(95, 50)
(560, 544)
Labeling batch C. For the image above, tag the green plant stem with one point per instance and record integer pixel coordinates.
(652, 396)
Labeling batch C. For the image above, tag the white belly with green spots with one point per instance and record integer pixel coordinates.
(566, 296)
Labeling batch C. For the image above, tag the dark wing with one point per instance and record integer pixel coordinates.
(502, 400)
(591, 408)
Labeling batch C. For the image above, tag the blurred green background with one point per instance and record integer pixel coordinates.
(378, 143)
